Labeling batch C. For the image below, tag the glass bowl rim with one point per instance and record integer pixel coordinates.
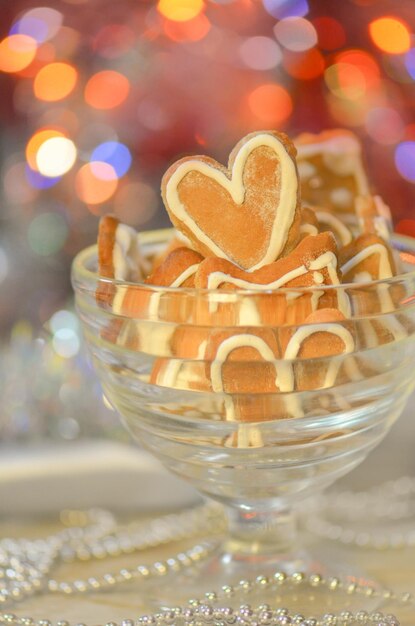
(79, 270)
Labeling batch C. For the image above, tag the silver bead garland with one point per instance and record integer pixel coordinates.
(392, 501)
(25, 568)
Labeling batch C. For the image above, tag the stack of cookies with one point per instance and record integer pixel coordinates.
(254, 269)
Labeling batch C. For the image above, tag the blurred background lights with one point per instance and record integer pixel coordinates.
(410, 62)
(47, 233)
(136, 203)
(390, 34)
(180, 10)
(55, 81)
(4, 265)
(63, 319)
(17, 52)
(38, 181)
(270, 103)
(107, 89)
(95, 183)
(385, 125)
(260, 53)
(345, 81)
(281, 9)
(304, 65)
(41, 23)
(296, 34)
(330, 32)
(66, 342)
(56, 156)
(115, 154)
(36, 141)
(405, 160)
(191, 30)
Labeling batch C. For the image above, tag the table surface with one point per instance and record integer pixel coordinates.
(393, 569)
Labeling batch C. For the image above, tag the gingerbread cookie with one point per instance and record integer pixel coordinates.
(309, 223)
(366, 259)
(374, 216)
(177, 270)
(313, 345)
(328, 222)
(248, 214)
(313, 263)
(331, 171)
(119, 254)
(245, 366)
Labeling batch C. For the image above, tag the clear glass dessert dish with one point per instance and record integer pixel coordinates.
(258, 452)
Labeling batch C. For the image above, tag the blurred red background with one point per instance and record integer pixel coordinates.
(98, 97)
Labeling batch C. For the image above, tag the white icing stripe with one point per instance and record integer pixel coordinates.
(385, 269)
(294, 345)
(284, 378)
(308, 229)
(153, 305)
(248, 313)
(328, 261)
(284, 212)
(336, 225)
(127, 259)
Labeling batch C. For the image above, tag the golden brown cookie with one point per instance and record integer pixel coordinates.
(328, 222)
(331, 171)
(325, 333)
(374, 216)
(119, 256)
(312, 264)
(248, 213)
(309, 223)
(366, 259)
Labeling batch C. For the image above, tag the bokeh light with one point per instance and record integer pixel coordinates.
(55, 81)
(304, 66)
(271, 103)
(115, 154)
(330, 33)
(260, 53)
(47, 233)
(136, 203)
(362, 61)
(41, 23)
(180, 10)
(345, 81)
(390, 34)
(38, 181)
(384, 125)
(64, 319)
(191, 30)
(296, 34)
(36, 141)
(405, 160)
(107, 89)
(66, 343)
(410, 62)
(281, 9)
(56, 156)
(17, 52)
(96, 182)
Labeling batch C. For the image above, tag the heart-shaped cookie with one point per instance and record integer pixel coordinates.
(249, 213)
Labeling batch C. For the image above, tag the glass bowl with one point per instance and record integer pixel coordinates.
(220, 423)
